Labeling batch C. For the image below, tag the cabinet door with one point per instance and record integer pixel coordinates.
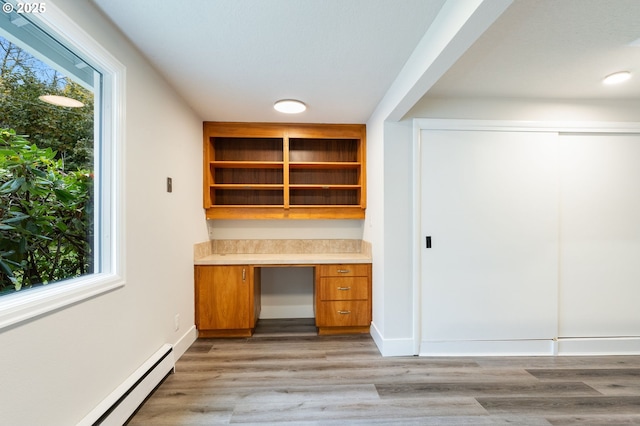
(223, 297)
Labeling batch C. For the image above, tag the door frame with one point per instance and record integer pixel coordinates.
(419, 124)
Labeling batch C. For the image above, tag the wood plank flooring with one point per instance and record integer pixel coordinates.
(286, 374)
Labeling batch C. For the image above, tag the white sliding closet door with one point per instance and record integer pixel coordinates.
(600, 235)
(489, 200)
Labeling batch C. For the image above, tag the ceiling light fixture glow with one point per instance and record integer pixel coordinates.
(289, 106)
(617, 77)
(61, 101)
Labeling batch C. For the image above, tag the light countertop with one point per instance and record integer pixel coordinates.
(282, 258)
(281, 252)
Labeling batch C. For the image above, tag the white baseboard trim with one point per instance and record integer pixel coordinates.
(488, 348)
(286, 311)
(599, 346)
(120, 404)
(391, 347)
(185, 342)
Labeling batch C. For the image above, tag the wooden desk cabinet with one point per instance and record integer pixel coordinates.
(343, 298)
(227, 300)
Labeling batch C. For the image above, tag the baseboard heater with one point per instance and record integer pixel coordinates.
(126, 398)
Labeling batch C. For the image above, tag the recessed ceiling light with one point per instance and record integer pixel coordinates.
(61, 101)
(289, 106)
(617, 77)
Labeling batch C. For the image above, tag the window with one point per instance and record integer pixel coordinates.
(46, 177)
(60, 186)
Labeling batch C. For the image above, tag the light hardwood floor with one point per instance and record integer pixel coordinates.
(287, 374)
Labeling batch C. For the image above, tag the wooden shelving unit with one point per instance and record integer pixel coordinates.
(294, 171)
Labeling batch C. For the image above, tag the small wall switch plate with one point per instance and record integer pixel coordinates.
(169, 184)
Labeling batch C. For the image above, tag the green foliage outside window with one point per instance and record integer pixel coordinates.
(46, 176)
(45, 217)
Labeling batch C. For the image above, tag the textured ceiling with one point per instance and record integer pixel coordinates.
(551, 49)
(231, 59)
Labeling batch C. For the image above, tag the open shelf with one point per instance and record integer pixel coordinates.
(247, 196)
(323, 150)
(333, 196)
(250, 166)
(247, 149)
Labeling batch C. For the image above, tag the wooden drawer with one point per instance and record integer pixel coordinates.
(345, 270)
(343, 314)
(343, 288)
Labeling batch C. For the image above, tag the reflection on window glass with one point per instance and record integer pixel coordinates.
(46, 162)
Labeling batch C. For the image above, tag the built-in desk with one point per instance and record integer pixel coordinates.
(228, 280)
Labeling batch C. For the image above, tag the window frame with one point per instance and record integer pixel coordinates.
(109, 195)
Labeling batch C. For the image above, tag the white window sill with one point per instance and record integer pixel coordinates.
(31, 303)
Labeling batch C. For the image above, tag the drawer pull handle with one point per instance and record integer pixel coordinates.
(343, 271)
(344, 312)
(344, 288)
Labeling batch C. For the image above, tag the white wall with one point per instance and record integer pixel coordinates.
(57, 368)
(398, 206)
(526, 109)
(285, 229)
(373, 225)
(287, 292)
